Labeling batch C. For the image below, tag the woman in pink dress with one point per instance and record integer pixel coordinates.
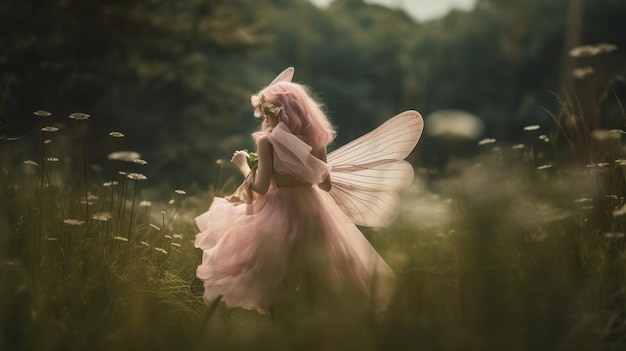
(283, 233)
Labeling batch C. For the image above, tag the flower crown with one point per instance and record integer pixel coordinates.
(262, 107)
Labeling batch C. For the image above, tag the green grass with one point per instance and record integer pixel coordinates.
(499, 253)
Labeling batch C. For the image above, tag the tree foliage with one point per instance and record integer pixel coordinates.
(154, 69)
(176, 75)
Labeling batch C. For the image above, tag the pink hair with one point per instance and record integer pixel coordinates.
(301, 113)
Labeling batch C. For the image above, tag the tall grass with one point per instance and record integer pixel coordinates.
(84, 266)
(517, 249)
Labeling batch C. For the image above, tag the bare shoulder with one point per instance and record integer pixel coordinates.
(263, 141)
(263, 146)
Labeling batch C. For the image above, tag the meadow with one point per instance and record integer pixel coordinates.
(519, 248)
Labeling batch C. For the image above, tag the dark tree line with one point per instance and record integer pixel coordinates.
(176, 75)
(156, 70)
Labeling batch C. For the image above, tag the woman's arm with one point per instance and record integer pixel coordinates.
(264, 172)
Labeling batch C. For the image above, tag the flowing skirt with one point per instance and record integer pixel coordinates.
(290, 239)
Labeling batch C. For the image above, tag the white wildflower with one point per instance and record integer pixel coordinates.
(72, 221)
(614, 235)
(487, 141)
(532, 127)
(41, 113)
(592, 50)
(102, 216)
(620, 211)
(605, 134)
(126, 156)
(136, 176)
(79, 116)
(583, 72)
(599, 165)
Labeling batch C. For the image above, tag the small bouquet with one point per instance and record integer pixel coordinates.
(243, 194)
(253, 160)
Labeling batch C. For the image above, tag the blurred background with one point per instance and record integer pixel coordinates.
(175, 76)
(512, 236)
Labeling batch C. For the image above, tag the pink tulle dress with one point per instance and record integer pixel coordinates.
(293, 238)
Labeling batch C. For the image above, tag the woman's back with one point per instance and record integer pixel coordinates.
(285, 180)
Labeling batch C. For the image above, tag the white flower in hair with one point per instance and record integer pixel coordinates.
(257, 99)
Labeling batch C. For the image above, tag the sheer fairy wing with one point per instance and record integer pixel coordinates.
(284, 76)
(368, 172)
(394, 139)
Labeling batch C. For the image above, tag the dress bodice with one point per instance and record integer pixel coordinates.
(288, 181)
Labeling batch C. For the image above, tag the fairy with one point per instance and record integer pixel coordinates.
(291, 227)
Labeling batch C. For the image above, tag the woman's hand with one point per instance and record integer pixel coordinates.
(240, 161)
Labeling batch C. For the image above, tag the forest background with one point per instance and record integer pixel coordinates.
(176, 77)
(512, 236)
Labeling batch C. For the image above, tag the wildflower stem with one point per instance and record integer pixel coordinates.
(41, 153)
(175, 211)
(111, 226)
(40, 203)
(121, 203)
(82, 149)
(132, 209)
(42, 164)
